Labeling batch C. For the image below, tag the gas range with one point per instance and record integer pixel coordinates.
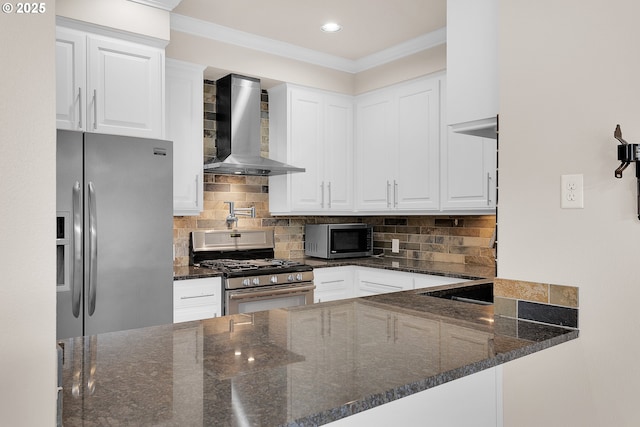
(239, 273)
(253, 279)
(245, 258)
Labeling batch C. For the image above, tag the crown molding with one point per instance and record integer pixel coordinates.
(209, 30)
(168, 5)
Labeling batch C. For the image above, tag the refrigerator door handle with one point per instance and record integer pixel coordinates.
(93, 249)
(76, 281)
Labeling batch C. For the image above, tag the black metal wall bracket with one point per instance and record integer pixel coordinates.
(628, 153)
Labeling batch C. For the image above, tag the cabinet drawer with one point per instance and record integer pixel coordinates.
(195, 313)
(197, 292)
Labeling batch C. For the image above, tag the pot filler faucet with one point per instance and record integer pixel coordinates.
(235, 212)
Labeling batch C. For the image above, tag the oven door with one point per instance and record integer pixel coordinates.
(268, 297)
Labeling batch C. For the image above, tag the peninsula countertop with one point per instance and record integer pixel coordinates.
(305, 365)
(463, 271)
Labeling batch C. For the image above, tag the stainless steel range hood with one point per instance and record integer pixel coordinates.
(238, 131)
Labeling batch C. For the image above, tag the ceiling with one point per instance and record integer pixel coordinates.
(368, 27)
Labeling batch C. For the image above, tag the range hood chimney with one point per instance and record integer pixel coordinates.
(238, 131)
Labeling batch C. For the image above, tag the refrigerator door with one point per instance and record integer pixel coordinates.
(69, 220)
(128, 233)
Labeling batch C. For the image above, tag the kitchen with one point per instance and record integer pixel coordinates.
(538, 241)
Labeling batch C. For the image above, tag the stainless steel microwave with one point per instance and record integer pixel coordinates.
(332, 241)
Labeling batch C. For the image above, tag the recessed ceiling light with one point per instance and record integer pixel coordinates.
(331, 27)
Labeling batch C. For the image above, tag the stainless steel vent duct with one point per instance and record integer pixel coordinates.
(238, 131)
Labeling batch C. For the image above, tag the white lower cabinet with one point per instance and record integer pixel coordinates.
(337, 283)
(421, 281)
(196, 299)
(473, 400)
(333, 283)
(374, 281)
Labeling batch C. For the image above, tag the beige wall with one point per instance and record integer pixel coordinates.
(27, 219)
(422, 63)
(568, 75)
(121, 14)
(223, 58)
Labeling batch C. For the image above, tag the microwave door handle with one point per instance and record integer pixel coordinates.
(76, 280)
(93, 249)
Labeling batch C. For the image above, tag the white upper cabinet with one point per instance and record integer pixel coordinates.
(472, 66)
(469, 173)
(108, 85)
(184, 115)
(71, 79)
(397, 147)
(312, 129)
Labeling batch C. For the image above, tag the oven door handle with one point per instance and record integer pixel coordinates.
(246, 293)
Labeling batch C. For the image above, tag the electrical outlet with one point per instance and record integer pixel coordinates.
(395, 246)
(572, 193)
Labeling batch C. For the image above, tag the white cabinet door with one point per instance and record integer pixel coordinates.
(71, 91)
(125, 85)
(374, 281)
(184, 115)
(333, 283)
(469, 181)
(418, 170)
(312, 129)
(375, 151)
(196, 299)
(306, 149)
(337, 152)
(472, 65)
(108, 85)
(397, 148)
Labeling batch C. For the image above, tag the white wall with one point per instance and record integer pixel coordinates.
(27, 219)
(569, 72)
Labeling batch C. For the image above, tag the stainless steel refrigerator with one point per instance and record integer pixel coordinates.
(114, 233)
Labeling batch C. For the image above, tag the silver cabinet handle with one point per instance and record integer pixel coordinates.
(329, 188)
(395, 193)
(197, 186)
(95, 110)
(322, 194)
(79, 108)
(93, 249)
(488, 189)
(388, 198)
(198, 296)
(76, 280)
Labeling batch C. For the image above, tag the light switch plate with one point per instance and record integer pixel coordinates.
(395, 246)
(571, 192)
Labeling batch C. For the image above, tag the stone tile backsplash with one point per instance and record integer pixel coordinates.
(456, 239)
(539, 302)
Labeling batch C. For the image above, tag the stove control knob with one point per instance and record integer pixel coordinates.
(290, 278)
(299, 276)
(246, 282)
(256, 281)
(274, 279)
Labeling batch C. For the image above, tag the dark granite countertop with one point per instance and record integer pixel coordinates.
(448, 269)
(300, 366)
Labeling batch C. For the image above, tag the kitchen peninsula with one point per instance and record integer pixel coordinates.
(301, 366)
